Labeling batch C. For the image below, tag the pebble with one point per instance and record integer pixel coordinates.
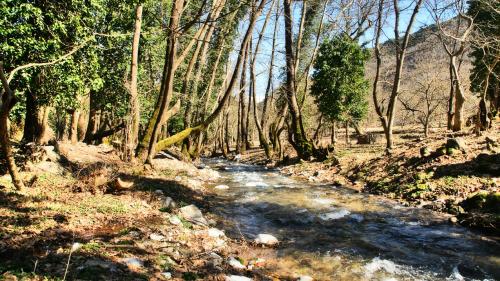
(156, 237)
(237, 278)
(236, 264)
(174, 220)
(167, 275)
(305, 278)
(214, 232)
(133, 262)
(221, 187)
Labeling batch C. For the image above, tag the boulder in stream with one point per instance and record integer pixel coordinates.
(266, 239)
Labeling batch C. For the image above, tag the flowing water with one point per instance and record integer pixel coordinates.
(334, 233)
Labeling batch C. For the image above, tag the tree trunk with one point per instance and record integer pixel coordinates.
(33, 122)
(334, 133)
(133, 130)
(82, 125)
(169, 71)
(459, 99)
(75, 115)
(243, 134)
(298, 138)
(347, 141)
(8, 101)
(451, 98)
(163, 144)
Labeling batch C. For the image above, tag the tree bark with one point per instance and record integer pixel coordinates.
(75, 116)
(163, 144)
(298, 139)
(8, 101)
(133, 126)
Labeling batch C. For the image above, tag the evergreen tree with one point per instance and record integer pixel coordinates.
(485, 71)
(339, 83)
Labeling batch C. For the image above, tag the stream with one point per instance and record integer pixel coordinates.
(335, 233)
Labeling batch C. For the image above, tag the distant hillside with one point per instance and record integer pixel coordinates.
(425, 54)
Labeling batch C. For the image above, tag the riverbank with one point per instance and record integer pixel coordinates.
(461, 178)
(87, 215)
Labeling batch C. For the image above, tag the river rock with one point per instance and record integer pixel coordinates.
(133, 262)
(156, 237)
(214, 259)
(266, 239)
(174, 220)
(215, 233)
(335, 215)
(169, 204)
(237, 278)
(456, 143)
(192, 214)
(236, 264)
(221, 186)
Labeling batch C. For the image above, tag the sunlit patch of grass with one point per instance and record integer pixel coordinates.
(91, 247)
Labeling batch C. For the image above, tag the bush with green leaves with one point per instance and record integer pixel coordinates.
(339, 83)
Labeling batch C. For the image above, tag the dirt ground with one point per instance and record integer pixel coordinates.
(88, 216)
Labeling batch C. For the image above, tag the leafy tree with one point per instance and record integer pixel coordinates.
(339, 83)
(485, 71)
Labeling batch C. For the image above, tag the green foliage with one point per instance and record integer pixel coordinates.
(340, 86)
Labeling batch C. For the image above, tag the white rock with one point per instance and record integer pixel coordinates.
(133, 262)
(215, 259)
(357, 217)
(266, 239)
(237, 278)
(214, 232)
(256, 184)
(156, 237)
(305, 278)
(167, 275)
(192, 214)
(221, 186)
(335, 215)
(236, 264)
(174, 220)
(169, 203)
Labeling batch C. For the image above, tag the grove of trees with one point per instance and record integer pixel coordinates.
(223, 76)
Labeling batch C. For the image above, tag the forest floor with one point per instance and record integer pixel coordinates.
(462, 181)
(88, 215)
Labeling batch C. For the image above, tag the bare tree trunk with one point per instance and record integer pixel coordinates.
(133, 130)
(459, 99)
(387, 118)
(334, 133)
(347, 141)
(243, 134)
(75, 115)
(297, 136)
(81, 127)
(163, 144)
(451, 98)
